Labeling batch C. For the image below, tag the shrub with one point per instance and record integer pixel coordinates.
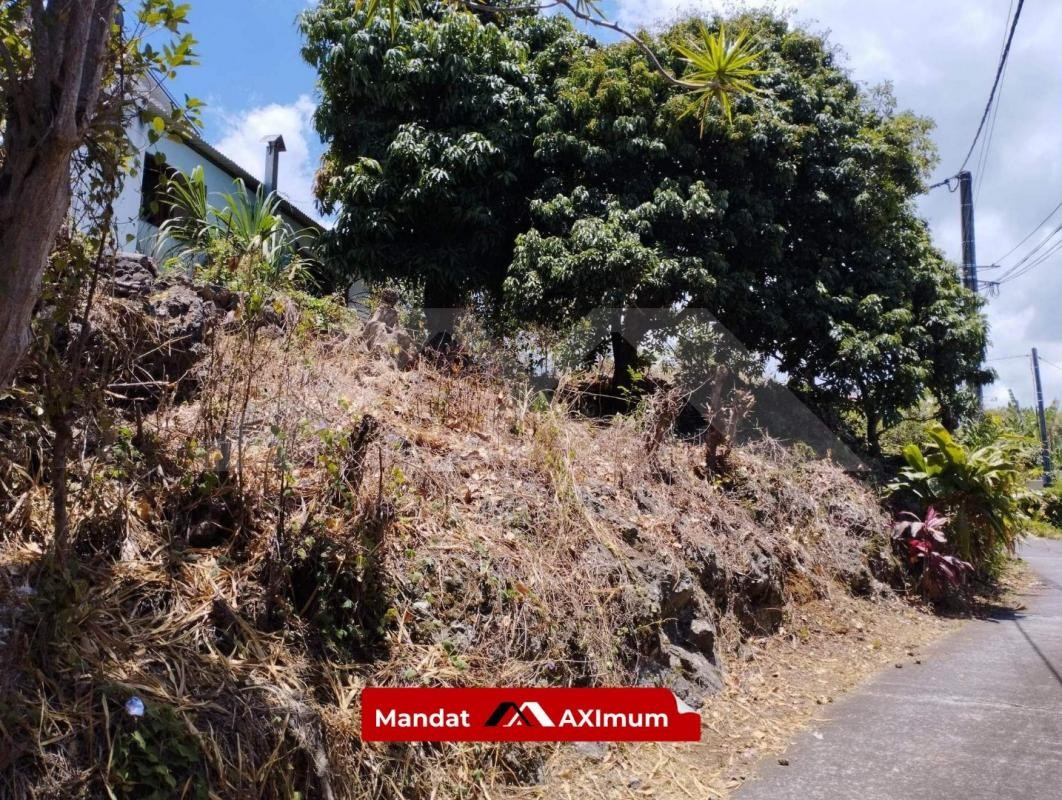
(1051, 505)
(156, 757)
(243, 242)
(981, 491)
(925, 545)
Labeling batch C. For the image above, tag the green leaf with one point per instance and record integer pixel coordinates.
(912, 454)
(721, 69)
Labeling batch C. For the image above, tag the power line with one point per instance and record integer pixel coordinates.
(1030, 267)
(1024, 265)
(1025, 259)
(946, 182)
(986, 148)
(1051, 364)
(1007, 358)
(995, 83)
(1030, 234)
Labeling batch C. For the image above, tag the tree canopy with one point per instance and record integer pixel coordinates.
(507, 157)
(429, 125)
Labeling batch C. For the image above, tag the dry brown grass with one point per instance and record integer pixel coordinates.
(777, 686)
(477, 541)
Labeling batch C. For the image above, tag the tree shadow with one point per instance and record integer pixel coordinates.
(1043, 657)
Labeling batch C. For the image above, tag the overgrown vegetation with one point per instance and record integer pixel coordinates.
(309, 521)
(243, 242)
(964, 503)
(508, 162)
(225, 510)
(980, 490)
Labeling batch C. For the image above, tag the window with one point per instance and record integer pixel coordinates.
(152, 185)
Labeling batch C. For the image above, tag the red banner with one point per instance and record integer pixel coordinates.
(525, 715)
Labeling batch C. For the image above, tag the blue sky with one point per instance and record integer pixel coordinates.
(940, 57)
(249, 53)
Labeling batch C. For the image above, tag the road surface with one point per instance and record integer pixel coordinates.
(979, 719)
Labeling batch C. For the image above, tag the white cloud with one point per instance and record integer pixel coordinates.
(243, 140)
(941, 57)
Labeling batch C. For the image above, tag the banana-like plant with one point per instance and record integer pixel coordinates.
(979, 490)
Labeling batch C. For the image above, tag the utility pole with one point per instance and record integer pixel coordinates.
(969, 250)
(1045, 449)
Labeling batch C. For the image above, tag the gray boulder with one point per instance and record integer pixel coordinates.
(683, 654)
(384, 336)
(133, 275)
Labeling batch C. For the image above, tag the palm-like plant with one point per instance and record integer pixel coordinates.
(719, 70)
(249, 225)
(187, 232)
(254, 225)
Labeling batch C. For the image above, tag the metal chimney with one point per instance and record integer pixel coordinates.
(274, 147)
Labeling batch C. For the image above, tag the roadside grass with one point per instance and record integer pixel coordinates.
(1043, 529)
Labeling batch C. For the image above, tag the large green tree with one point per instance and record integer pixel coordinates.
(430, 113)
(792, 223)
(505, 156)
(429, 123)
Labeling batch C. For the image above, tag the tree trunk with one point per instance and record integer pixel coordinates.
(624, 361)
(873, 435)
(628, 330)
(949, 417)
(30, 217)
(441, 306)
(49, 111)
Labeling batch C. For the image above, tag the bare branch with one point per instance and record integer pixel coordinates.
(645, 48)
(534, 8)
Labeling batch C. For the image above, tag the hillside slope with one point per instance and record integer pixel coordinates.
(291, 517)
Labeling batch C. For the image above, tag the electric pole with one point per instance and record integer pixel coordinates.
(969, 250)
(1045, 449)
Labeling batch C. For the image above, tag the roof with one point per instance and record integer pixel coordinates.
(157, 96)
(253, 184)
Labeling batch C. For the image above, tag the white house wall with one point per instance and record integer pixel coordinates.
(135, 233)
(127, 206)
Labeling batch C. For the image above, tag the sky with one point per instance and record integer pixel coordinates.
(939, 55)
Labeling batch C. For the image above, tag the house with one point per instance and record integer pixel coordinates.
(137, 211)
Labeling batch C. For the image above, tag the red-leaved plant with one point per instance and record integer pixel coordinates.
(925, 541)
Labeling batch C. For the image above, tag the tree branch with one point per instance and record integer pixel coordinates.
(600, 22)
(646, 49)
(10, 67)
(92, 76)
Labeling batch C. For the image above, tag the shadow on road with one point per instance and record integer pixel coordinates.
(1038, 651)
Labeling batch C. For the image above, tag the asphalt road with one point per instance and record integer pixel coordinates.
(979, 719)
